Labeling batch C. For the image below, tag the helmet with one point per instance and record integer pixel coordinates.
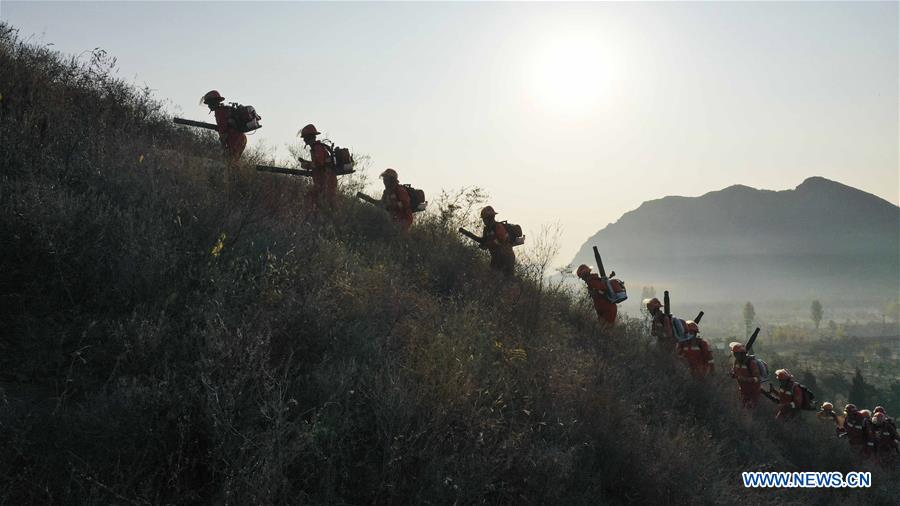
(652, 304)
(488, 211)
(309, 130)
(879, 409)
(583, 270)
(212, 97)
(389, 173)
(691, 327)
(737, 348)
(850, 408)
(783, 374)
(827, 406)
(866, 413)
(878, 418)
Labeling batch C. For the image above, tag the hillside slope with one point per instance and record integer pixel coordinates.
(740, 243)
(172, 333)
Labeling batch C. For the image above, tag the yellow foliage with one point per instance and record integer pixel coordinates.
(517, 355)
(220, 245)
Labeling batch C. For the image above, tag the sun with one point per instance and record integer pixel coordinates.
(571, 72)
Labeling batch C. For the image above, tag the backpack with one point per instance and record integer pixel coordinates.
(339, 159)
(343, 160)
(515, 233)
(678, 329)
(244, 117)
(808, 397)
(416, 198)
(763, 368)
(615, 291)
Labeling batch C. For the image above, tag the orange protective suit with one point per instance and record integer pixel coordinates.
(398, 204)
(606, 310)
(858, 431)
(836, 419)
(496, 241)
(324, 187)
(885, 438)
(661, 329)
(698, 355)
(232, 140)
(790, 398)
(748, 378)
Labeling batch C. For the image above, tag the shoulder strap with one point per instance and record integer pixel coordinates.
(326, 146)
(753, 364)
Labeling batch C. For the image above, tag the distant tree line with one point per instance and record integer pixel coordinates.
(835, 387)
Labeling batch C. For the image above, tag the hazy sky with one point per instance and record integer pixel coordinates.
(573, 113)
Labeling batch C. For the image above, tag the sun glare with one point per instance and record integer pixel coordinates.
(571, 72)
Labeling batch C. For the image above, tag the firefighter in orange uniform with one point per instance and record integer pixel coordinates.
(606, 309)
(746, 372)
(885, 439)
(856, 426)
(868, 432)
(233, 141)
(790, 395)
(827, 414)
(887, 418)
(396, 200)
(660, 324)
(694, 350)
(495, 239)
(324, 187)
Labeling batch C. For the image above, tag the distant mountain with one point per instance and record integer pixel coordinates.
(821, 239)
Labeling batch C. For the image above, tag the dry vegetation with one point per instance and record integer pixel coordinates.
(173, 335)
